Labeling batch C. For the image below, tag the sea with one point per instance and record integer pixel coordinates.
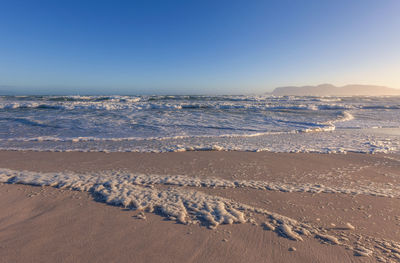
(200, 123)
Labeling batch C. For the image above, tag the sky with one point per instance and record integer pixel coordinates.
(195, 47)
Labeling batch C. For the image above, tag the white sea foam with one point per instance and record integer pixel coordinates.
(180, 198)
(337, 141)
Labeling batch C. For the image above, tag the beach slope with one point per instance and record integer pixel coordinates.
(47, 224)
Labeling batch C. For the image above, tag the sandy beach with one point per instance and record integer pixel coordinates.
(47, 224)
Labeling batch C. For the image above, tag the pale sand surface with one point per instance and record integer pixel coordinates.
(45, 224)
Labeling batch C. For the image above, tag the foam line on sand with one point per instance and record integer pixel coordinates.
(180, 198)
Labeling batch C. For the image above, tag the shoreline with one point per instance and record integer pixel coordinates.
(374, 218)
(340, 140)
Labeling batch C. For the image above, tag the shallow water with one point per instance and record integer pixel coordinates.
(179, 123)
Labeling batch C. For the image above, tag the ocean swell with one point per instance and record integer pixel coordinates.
(163, 123)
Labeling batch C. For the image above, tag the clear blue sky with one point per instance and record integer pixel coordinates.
(196, 46)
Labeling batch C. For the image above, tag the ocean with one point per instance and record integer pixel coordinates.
(187, 123)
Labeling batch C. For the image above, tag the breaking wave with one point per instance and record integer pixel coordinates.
(184, 119)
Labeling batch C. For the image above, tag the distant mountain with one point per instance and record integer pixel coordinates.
(331, 90)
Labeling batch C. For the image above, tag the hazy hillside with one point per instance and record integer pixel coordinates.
(331, 90)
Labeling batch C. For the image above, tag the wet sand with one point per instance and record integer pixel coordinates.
(46, 224)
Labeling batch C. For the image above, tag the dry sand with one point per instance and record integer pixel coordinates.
(45, 224)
